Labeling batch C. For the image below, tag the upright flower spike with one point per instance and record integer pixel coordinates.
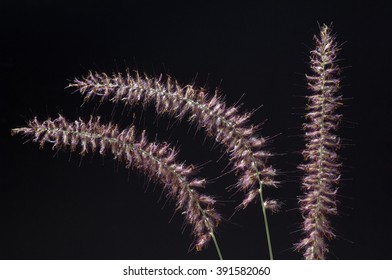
(224, 123)
(321, 167)
(155, 160)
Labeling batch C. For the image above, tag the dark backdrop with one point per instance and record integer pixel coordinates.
(59, 206)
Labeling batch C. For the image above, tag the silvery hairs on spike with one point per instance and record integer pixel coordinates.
(321, 167)
(155, 160)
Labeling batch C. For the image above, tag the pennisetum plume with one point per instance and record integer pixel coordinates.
(224, 123)
(321, 166)
(157, 161)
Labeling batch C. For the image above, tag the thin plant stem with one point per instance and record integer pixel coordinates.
(216, 245)
(265, 221)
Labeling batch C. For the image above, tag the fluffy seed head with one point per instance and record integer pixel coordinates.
(321, 166)
(157, 161)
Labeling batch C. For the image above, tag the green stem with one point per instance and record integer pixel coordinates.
(265, 220)
(216, 245)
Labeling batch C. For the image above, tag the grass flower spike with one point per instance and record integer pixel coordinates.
(155, 160)
(321, 167)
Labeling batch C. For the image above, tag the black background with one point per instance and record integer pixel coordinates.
(59, 206)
